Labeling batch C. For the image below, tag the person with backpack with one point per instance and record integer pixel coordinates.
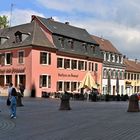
(12, 97)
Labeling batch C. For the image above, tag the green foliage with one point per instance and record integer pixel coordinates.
(4, 21)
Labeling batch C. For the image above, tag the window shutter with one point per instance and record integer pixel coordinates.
(49, 81)
(41, 80)
(49, 59)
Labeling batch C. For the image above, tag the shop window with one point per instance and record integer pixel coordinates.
(45, 81)
(73, 86)
(8, 79)
(66, 86)
(45, 58)
(104, 73)
(59, 86)
(2, 80)
(21, 57)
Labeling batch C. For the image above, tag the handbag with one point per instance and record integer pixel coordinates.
(8, 102)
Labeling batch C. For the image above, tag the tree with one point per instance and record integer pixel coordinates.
(4, 21)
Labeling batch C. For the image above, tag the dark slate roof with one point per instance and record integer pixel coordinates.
(35, 36)
(66, 30)
(105, 45)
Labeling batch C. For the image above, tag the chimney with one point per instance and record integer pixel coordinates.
(51, 18)
(136, 61)
(67, 23)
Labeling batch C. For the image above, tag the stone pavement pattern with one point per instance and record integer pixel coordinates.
(41, 119)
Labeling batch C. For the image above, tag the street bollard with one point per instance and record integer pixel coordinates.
(65, 105)
(133, 104)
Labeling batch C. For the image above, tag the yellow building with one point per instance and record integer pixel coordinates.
(132, 76)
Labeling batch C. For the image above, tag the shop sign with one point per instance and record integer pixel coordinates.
(12, 70)
(68, 75)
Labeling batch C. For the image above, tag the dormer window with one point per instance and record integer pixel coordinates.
(85, 46)
(70, 41)
(3, 40)
(93, 48)
(18, 37)
(61, 39)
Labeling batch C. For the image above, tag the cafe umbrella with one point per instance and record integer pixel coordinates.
(88, 82)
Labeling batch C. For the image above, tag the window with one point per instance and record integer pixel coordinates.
(8, 58)
(96, 67)
(73, 86)
(92, 66)
(45, 58)
(21, 57)
(61, 39)
(1, 80)
(89, 66)
(66, 86)
(59, 86)
(93, 48)
(45, 81)
(74, 64)
(60, 62)
(71, 43)
(3, 40)
(66, 63)
(128, 76)
(81, 65)
(104, 73)
(8, 79)
(85, 65)
(18, 37)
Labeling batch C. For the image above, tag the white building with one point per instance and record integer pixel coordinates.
(113, 81)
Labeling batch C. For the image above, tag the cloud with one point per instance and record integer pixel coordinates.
(20, 16)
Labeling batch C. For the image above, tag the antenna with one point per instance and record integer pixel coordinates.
(11, 14)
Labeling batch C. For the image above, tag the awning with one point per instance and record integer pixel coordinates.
(88, 81)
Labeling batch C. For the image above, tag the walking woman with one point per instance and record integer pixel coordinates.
(12, 98)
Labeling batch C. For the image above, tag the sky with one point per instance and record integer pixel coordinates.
(115, 20)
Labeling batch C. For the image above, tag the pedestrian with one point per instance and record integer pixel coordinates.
(12, 98)
(20, 94)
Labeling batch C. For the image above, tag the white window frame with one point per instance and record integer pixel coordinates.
(22, 58)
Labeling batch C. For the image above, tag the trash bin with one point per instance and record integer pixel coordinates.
(65, 104)
(133, 103)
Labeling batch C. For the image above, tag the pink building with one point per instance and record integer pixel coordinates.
(49, 56)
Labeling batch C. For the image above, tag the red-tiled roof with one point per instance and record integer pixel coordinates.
(132, 65)
(105, 44)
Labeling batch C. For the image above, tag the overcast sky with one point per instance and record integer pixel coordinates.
(115, 20)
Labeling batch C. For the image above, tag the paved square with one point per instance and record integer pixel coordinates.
(41, 119)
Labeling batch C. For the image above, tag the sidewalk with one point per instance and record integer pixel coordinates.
(41, 118)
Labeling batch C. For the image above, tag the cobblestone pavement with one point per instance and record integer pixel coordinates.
(41, 119)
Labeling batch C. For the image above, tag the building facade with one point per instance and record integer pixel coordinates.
(132, 76)
(113, 81)
(48, 56)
